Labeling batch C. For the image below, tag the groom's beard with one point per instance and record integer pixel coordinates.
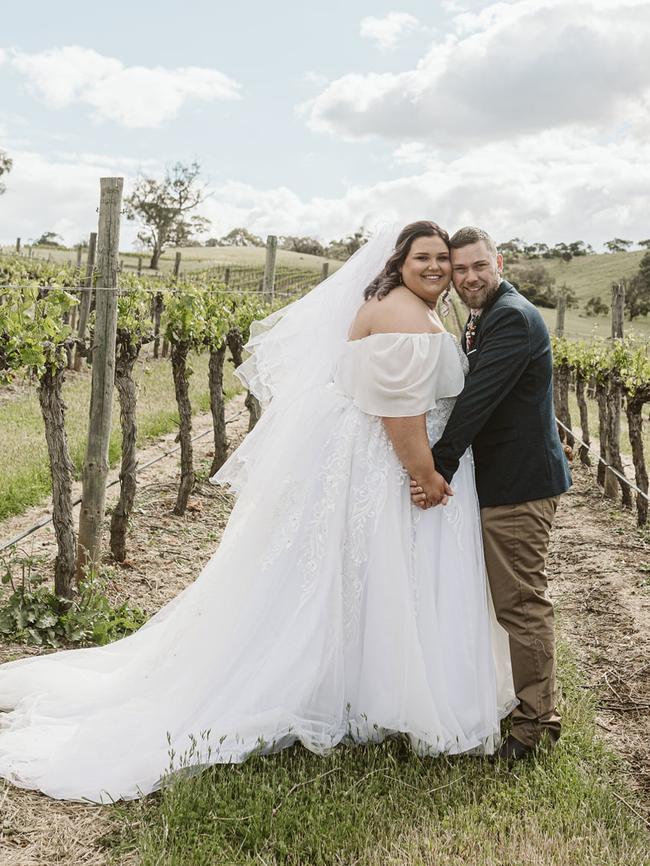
(479, 296)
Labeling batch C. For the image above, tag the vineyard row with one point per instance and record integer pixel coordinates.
(616, 373)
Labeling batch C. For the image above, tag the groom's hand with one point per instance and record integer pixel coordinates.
(431, 491)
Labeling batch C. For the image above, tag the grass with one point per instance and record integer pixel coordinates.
(593, 275)
(195, 258)
(24, 466)
(578, 325)
(383, 806)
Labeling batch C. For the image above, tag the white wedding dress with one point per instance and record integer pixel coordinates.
(333, 610)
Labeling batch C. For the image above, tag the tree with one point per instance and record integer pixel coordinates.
(6, 164)
(617, 245)
(535, 283)
(164, 208)
(344, 248)
(307, 245)
(595, 306)
(239, 237)
(645, 243)
(533, 251)
(580, 248)
(513, 247)
(637, 290)
(49, 239)
(562, 251)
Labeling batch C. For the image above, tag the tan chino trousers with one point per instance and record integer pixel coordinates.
(516, 538)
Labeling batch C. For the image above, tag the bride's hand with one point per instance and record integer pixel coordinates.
(430, 491)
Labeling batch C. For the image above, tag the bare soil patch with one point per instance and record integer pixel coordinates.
(599, 567)
(598, 582)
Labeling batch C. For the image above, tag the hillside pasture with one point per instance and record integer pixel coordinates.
(196, 258)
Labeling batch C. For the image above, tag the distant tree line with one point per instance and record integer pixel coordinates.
(516, 249)
(337, 249)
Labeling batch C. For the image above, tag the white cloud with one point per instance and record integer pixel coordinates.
(557, 186)
(411, 153)
(560, 185)
(386, 32)
(510, 69)
(132, 96)
(60, 194)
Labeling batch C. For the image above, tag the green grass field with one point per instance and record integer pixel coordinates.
(593, 275)
(579, 326)
(24, 465)
(381, 805)
(197, 258)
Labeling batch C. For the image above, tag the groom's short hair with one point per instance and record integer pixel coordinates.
(471, 235)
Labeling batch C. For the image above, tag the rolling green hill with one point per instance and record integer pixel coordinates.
(591, 275)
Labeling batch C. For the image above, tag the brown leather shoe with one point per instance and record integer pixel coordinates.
(513, 749)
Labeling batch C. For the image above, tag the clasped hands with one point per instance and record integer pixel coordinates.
(430, 491)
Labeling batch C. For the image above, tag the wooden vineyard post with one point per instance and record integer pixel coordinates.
(560, 313)
(584, 418)
(86, 297)
(563, 375)
(268, 284)
(601, 400)
(79, 253)
(614, 399)
(634, 406)
(157, 314)
(618, 308)
(324, 271)
(460, 327)
(177, 271)
(103, 375)
(612, 483)
(139, 265)
(18, 246)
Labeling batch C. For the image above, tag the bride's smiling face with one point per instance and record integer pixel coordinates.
(426, 270)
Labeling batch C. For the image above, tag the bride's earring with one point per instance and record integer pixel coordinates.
(445, 306)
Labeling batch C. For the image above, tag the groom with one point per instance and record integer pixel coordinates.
(506, 414)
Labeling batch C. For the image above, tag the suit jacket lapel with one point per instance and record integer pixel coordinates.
(472, 356)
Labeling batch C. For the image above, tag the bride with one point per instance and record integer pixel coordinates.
(333, 610)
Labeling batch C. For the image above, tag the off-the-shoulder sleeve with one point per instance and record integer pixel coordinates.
(400, 375)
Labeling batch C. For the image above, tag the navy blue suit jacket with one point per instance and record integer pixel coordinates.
(505, 411)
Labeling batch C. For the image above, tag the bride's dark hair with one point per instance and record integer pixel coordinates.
(390, 276)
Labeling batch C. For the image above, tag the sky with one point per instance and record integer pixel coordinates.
(529, 118)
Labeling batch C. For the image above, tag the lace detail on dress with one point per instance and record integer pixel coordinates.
(366, 499)
(358, 478)
(333, 477)
(286, 514)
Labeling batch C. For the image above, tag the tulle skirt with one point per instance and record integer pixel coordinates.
(333, 610)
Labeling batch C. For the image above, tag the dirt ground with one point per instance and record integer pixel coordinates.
(600, 581)
(599, 566)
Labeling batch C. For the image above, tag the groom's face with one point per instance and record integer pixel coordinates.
(476, 273)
